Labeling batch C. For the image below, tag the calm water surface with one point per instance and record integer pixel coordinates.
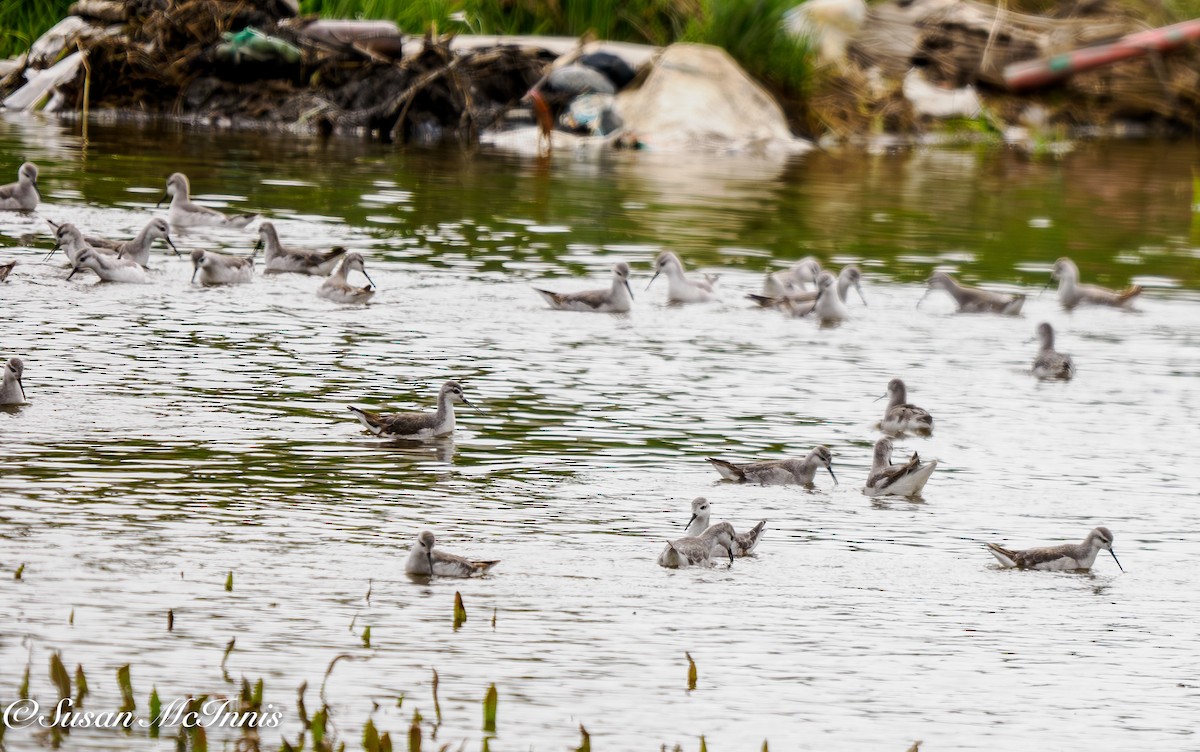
(175, 434)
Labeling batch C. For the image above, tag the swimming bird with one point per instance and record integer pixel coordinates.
(426, 560)
(417, 425)
(680, 288)
(280, 258)
(1071, 293)
(849, 276)
(973, 299)
(778, 472)
(1058, 558)
(1050, 364)
(697, 551)
(12, 391)
(887, 479)
(901, 417)
(743, 543)
(336, 288)
(137, 249)
(827, 307)
(6, 269)
(187, 213)
(22, 195)
(108, 268)
(68, 237)
(220, 268)
(795, 279)
(616, 299)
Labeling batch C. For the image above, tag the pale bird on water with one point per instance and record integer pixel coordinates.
(426, 560)
(778, 472)
(1068, 556)
(22, 195)
(417, 425)
(680, 287)
(618, 298)
(973, 299)
(697, 551)
(1049, 363)
(901, 417)
(184, 212)
(743, 543)
(12, 391)
(280, 258)
(887, 479)
(336, 288)
(1071, 293)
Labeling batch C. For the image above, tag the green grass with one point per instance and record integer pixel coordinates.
(752, 32)
(23, 21)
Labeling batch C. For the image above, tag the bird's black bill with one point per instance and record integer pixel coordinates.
(72, 274)
(831, 475)
(651, 280)
(630, 289)
(51, 253)
(861, 296)
(693, 519)
(472, 404)
(430, 559)
(369, 280)
(1114, 555)
(21, 386)
(173, 248)
(922, 300)
(195, 271)
(164, 198)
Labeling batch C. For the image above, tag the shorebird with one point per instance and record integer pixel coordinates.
(12, 391)
(778, 472)
(697, 551)
(887, 479)
(681, 289)
(6, 269)
(22, 195)
(827, 307)
(280, 258)
(427, 560)
(336, 288)
(137, 249)
(417, 425)
(793, 280)
(108, 268)
(901, 417)
(973, 299)
(221, 269)
(1058, 558)
(1071, 293)
(616, 299)
(187, 213)
(743, 543)
(849, 276)
(1050, 364)
(68, 237)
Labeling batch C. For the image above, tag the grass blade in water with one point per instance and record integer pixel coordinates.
(60, 677)
(490, 700)
(126, 684)
(691, 672)
(460, 612)
(81, 687)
